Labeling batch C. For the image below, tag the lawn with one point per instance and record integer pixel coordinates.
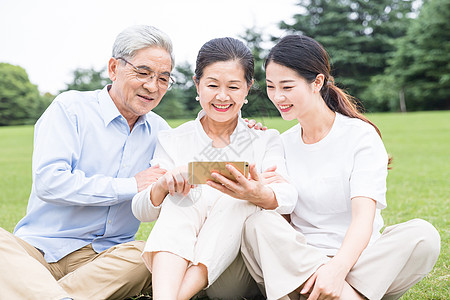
(418, 184)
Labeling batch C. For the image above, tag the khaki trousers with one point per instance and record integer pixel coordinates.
(116, 273)
(279, 259)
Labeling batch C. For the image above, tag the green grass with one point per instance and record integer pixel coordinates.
(418, 184)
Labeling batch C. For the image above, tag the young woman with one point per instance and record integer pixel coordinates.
(332, 248)
(198, 231)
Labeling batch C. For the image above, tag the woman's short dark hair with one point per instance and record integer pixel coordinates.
(225, 49)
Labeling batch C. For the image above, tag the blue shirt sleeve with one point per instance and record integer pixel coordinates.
(57, 150)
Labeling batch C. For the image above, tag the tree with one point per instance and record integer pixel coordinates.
(179, 102)
(259, 104)
(20, 100)
(358, 34)
(88, 80)
(420, 68)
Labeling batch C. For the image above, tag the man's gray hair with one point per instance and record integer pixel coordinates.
(138, 37)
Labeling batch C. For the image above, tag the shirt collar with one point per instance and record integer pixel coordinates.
(241, 126)
(109, 110)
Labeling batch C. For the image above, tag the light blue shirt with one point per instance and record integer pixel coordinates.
(84, 162)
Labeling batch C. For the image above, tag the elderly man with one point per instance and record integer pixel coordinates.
(92, 153)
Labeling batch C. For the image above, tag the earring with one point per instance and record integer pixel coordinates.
(245, 101)
(197, 98)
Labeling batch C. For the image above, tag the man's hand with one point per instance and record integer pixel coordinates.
(148, 176)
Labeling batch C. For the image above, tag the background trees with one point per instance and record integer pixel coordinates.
(359, 35)
(393, 55)
(88, 80)
(419, 70)
(20, 100)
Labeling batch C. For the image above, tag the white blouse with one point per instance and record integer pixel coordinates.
(350, 161)
(189, 142)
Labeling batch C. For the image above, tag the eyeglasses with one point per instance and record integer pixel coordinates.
(145, 74)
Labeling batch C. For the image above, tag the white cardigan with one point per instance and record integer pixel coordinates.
(189, 142)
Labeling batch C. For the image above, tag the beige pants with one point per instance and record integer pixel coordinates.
(116, 273)
(279, 259)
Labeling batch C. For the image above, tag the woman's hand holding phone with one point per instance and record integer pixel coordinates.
(252, 189)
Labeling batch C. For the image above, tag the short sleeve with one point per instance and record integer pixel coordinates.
(368, 177)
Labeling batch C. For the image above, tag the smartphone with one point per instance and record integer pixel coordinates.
(200, 171)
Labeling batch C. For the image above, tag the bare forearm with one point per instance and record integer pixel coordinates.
(157, 194)
(358, 234)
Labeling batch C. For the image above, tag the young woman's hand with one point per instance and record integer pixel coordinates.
(255, 125)
(252, 189)
(270, 176)
(326, 283)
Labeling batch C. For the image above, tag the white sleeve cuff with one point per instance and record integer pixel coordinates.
(286, 195)
(143, 208)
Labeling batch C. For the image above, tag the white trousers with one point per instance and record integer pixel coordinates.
(279, 259)
(208, 232)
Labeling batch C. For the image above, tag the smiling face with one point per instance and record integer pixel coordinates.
(289, 92)
(132, 97)
(222, 90)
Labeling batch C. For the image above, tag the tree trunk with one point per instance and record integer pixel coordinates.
(402, 100)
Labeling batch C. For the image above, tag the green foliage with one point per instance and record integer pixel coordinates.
(421, 65)
(179, 102)
(358, 34)
(258, 103)
(20, 101)
(88, 80)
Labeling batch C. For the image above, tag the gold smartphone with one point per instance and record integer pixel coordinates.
(200, 171)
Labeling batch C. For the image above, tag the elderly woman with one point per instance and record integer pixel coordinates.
(198, 232)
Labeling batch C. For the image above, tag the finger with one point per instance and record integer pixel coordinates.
(269, 178)
(271, 169)
(159, 172)
(253, 173)
(251, 123)
(229, 184)
(179, 181)
(258, 126)
(309, 284)
(187, 188)
(236, 174)
(220, 188)
(264, 128)
(314, 295)
(170, 184)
